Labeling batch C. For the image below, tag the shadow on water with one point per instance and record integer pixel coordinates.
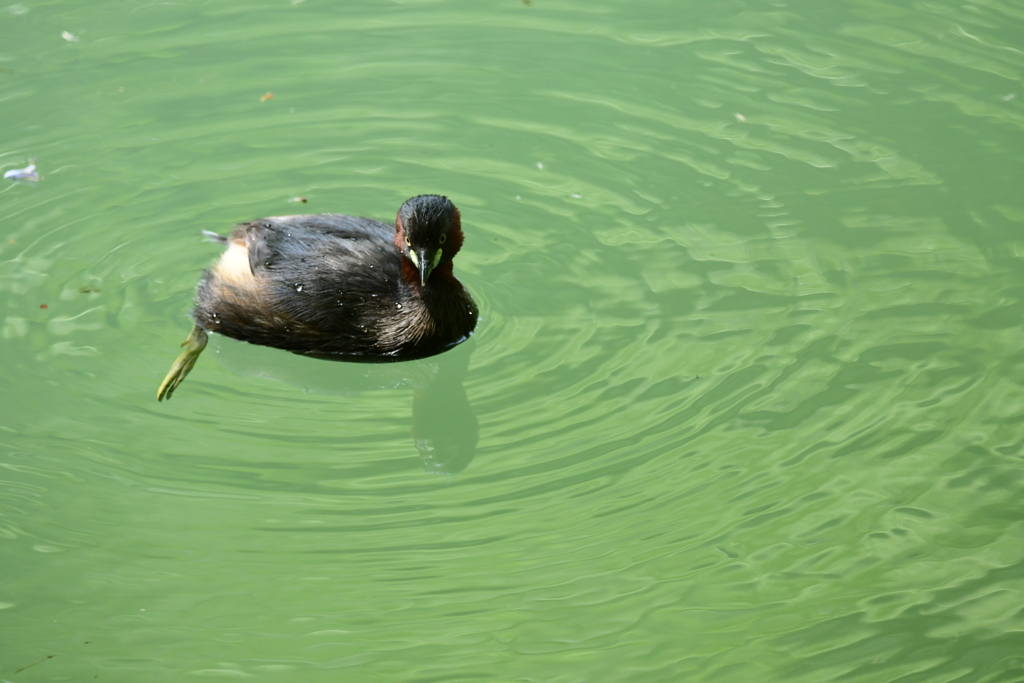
(443, 427)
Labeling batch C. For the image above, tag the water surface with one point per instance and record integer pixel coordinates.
(745, 399)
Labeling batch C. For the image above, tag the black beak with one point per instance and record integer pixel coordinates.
(426, 260)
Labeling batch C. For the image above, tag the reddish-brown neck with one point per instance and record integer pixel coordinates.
(409, 272)
(399, 233)
(455, 236)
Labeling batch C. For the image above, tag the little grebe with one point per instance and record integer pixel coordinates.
(337, 287)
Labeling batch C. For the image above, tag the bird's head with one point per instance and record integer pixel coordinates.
(428, 232)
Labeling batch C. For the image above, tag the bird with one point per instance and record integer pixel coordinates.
(336, 287)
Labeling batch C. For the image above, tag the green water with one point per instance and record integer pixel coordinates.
(745, 402)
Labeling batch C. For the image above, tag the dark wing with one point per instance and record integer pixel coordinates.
(328, 278)
(278, 241)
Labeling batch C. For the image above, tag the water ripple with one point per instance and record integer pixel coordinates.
(744, 402)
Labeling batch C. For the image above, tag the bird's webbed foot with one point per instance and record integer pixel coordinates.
(194, 345)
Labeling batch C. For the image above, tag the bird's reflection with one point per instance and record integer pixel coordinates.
(444, 428)
(443, 424)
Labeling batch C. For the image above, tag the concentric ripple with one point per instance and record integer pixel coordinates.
(744, 402)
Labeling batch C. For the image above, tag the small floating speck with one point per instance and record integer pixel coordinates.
(267, 96)
(27, 173)
(1008, 97)
(740, 117)
(540, 166)
(576, 196)
(298, 286)
(294, 200)
(518, 197)
(69, 36)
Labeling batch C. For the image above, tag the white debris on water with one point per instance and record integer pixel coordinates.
(27, 173)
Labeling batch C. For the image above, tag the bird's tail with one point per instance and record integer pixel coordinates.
(214, 237)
